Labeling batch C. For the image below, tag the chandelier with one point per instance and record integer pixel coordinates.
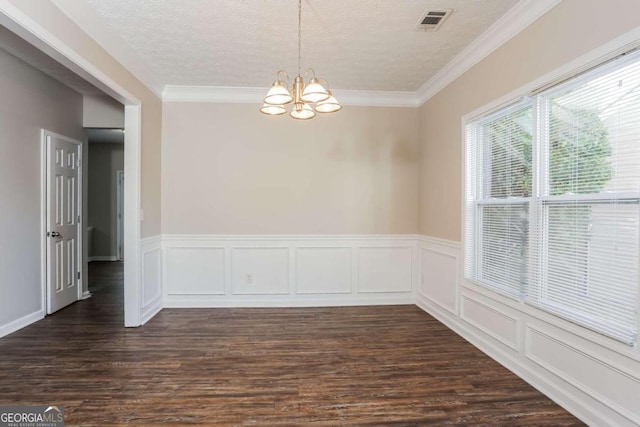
(302, 95)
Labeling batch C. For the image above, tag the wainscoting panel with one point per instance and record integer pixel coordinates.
(439, 266)
(324, 270)
(595, 378)
(195, 271)
(491, 318)
(260, 271)
(284, 271)
(151, 257)
(608, 384)
(385, 269)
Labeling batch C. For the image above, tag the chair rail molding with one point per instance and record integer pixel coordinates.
(288, 271)
(562, 360)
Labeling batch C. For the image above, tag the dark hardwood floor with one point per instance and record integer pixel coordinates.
(376, 366)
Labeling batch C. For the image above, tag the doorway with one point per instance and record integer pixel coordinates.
(105, 187)
(17, 21)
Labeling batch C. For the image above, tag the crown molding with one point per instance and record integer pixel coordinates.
(519, 17)
(254, 95)
(523, 14)
(222, 94)
(372, 98)
(509, 25)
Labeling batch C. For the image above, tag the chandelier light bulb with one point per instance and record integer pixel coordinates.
(329, 105)
(278, 94)
(302, 111)
(272, 110)
(314, 92)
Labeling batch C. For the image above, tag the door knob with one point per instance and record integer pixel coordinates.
(55, 234)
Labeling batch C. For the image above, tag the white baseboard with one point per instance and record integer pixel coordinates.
(151, 262)
(151, 310)
(562, 360)
(103, 258)
(20, 323)
(321, 301)
(288, 271)
(565, 362)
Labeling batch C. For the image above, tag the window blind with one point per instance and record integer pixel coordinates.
(588, 208)
(553, 199)
(502, 190)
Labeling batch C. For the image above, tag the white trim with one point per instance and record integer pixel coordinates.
(180, 288)
(595, 394)
(17, 21)
(300, 300)
(132, 215)
(599, 55)
(510, 24)
(523, 14)
(594, 407)
(89, 22)
(151, 242)
(515, 345)
(254, 95)
(240, 95)
(149, 309)
(20, 323)
(153, 308)
(440, 242)
(43, 223)
(512, 362)
(504, 29)
(377, 98)
(609, 50)
(284, 237)
(119, 213)
(103, 258)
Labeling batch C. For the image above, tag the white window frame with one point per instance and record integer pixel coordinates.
(539, 197)
(480, 200)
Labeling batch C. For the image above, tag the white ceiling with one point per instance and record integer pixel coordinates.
(355, 44)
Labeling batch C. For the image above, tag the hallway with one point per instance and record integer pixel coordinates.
(321, 366)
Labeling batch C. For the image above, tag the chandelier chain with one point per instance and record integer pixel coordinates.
(299, 35)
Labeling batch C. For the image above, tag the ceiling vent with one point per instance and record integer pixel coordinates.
(433, 19)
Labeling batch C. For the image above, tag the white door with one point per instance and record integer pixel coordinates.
(63, 215)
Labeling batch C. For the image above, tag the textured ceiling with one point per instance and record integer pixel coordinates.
(354, 44)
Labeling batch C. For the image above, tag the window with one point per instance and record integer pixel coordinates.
(553, 199)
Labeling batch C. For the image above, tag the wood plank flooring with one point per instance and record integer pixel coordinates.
(368, 366)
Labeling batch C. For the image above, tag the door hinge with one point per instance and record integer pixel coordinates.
(78, 163)
(78, 218)
(78, 275)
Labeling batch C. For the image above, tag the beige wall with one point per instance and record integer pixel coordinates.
(571, 29)
(227, 169)
(102, 112)
(30, 101)
(60, 26)
(105, 159)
